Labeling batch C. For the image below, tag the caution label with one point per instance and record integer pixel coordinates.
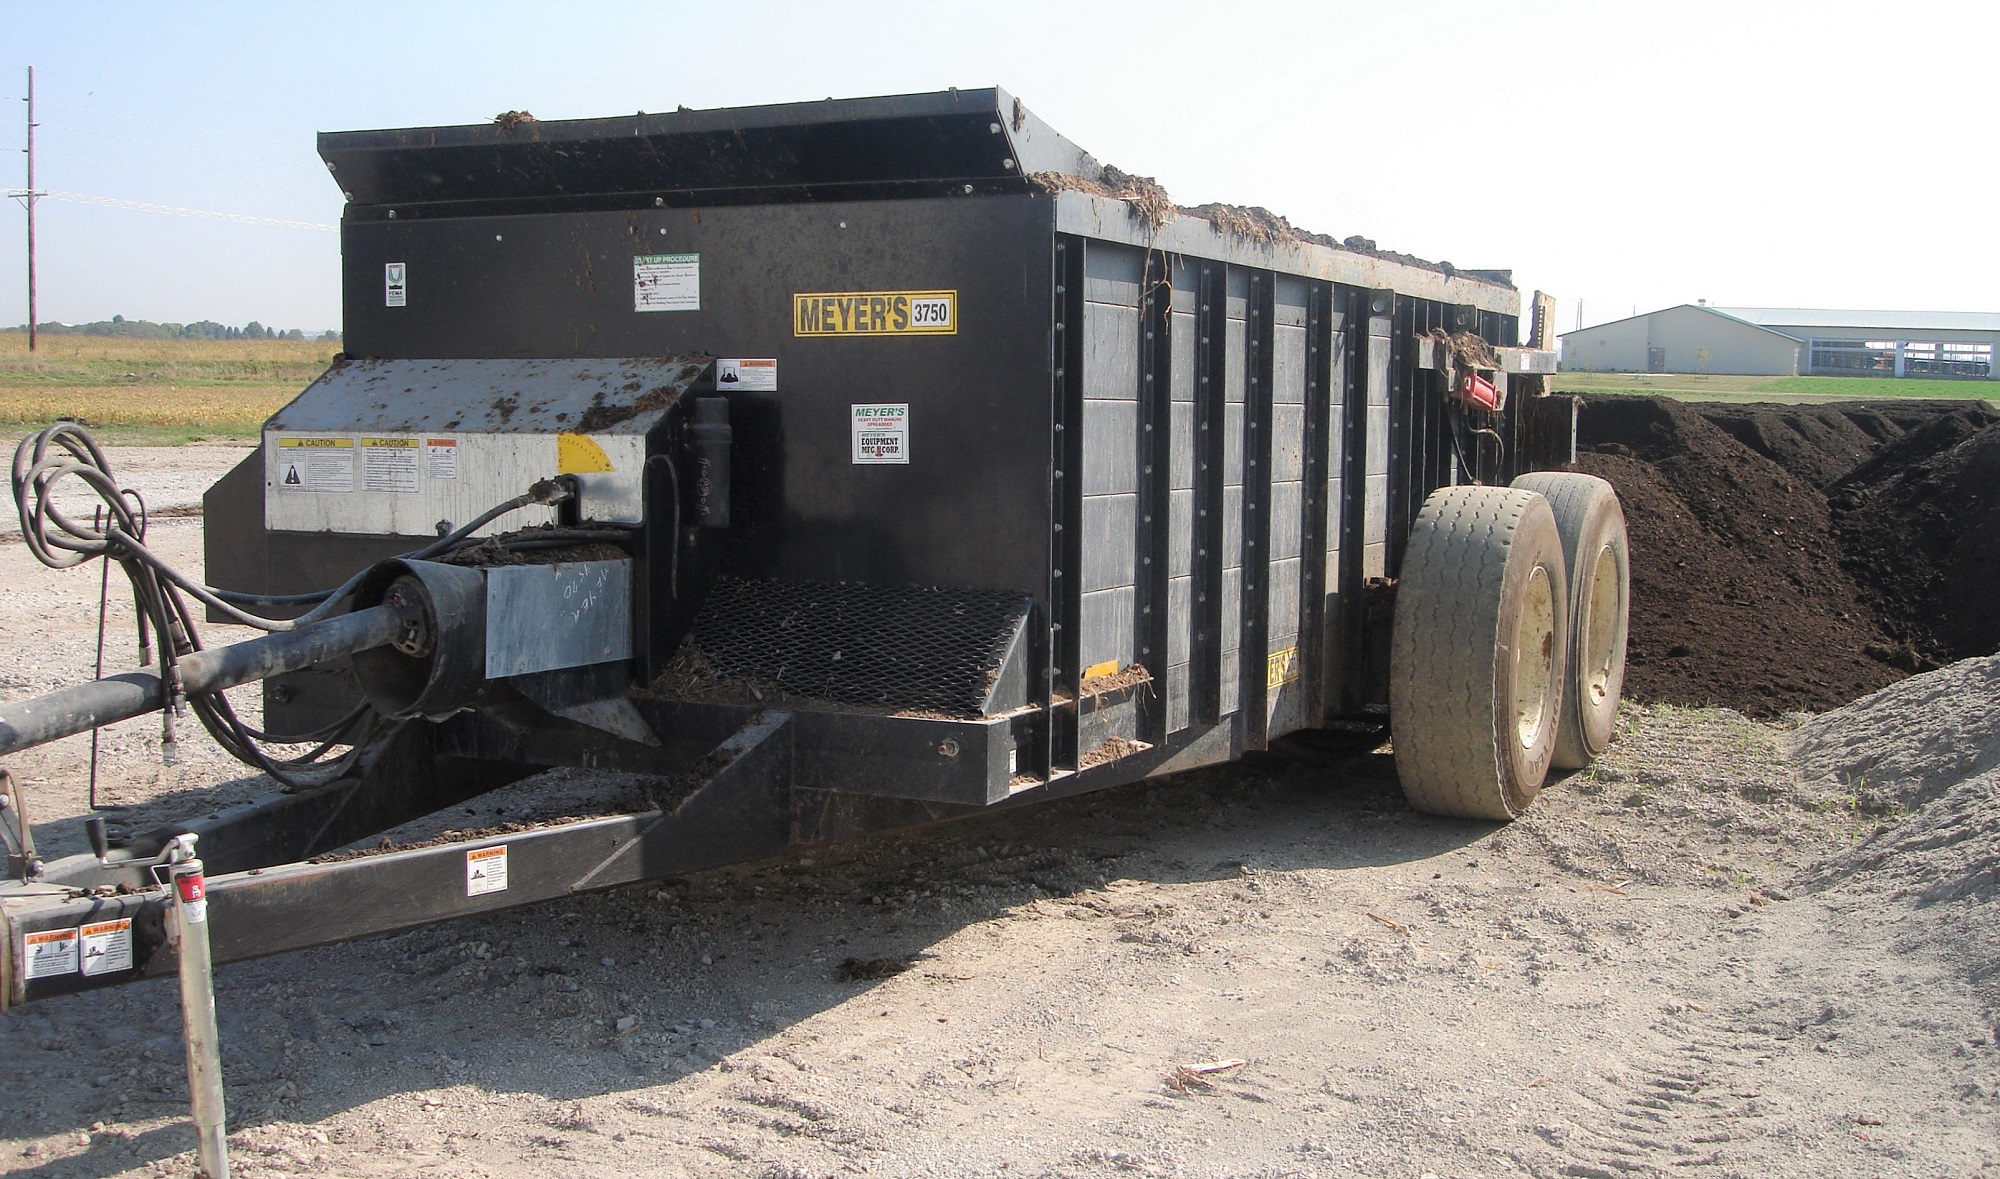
(106, 946)
(485, 871)
(316, 464)
(389, 464)
(1281, 668)
(875, 313)
(881, 433)
(441, 457)
(758, 376)
(48, 953)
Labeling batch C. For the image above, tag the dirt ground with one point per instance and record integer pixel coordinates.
(1723, 951)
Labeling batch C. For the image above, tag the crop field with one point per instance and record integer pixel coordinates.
(153, 391)
(1719, 387)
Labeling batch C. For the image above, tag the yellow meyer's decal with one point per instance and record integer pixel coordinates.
(1281, 668)
(579, 454)
(875, 313)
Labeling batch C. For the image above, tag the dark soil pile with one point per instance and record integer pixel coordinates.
(1797, 557)
(1920, 526)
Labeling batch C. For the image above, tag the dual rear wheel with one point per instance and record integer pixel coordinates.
(1508, 651)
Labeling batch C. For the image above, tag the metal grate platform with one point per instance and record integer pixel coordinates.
(892, 647)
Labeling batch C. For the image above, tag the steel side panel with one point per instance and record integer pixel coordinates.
(561, 285)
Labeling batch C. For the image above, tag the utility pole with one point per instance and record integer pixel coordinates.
(29, 200)
(27, 197)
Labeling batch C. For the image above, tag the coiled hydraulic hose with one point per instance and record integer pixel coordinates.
(161, 593)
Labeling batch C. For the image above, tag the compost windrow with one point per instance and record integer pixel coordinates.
(1793, 558)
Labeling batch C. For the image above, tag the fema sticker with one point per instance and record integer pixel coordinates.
(881, 433)
(395, 284)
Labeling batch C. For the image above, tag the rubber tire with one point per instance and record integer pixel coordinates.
(1459, 662)
(1592, 526)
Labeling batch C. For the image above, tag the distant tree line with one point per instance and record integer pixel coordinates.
(146, 329)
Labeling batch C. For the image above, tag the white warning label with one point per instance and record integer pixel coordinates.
(757, 376)
(441, 457)
(316, 464)
(107, 946)
(389, 464)
(395, 284)
(666, 282)
(485, 871)
(48, 953)
(882, 433)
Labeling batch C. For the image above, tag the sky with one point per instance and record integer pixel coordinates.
(1622, 156)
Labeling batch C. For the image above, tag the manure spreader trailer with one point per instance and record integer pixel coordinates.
(839, 466)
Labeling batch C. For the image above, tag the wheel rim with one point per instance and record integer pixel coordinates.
(1534, 658)
(1600, 639)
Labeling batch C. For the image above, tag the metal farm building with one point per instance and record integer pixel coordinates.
(1787, 341)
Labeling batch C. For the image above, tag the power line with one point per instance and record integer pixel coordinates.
(83, 82)
(186, 175)
(207, 151)
(84, 198)
(70, 106)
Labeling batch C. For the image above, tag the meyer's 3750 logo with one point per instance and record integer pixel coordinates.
(875, 313)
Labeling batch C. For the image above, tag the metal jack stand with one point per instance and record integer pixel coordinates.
(204, 1044)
